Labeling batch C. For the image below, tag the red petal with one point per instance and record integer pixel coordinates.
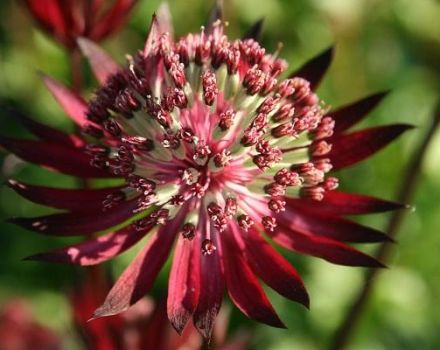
(113, 20)
(313, 221)
(342, 203)
(352, 148)
(322, 247)
(71, 199)
(211, 293)
(76, 223)
(254, 31)
(45, 132)
(103, 66)
(94, 251)
(273, 269)
(164, 19)
(243, 287)
(64, 159)
(347, 116)
(73, 104)
(184, 282)
(314, 70)
(139, 276)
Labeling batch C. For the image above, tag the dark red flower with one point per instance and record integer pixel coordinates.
(19, 330)
(216, 149)
(67, 20)
(144, 326)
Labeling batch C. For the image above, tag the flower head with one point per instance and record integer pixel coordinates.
(216, 151)
(68, 20)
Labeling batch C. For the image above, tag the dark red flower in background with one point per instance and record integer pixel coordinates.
(19, 329)
(67, 20)
(216, 151)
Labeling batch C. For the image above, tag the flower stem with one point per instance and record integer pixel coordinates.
(348, 326)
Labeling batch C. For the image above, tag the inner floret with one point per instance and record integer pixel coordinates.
(207, 125)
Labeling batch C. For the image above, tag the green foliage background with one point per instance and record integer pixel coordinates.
(380, 45)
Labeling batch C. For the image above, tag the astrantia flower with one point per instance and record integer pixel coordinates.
(217, 151)
(68, 20)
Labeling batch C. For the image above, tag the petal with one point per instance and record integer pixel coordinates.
(103, 66)
(352, 148)
(154, 33)
(71, 199)
(139, 276)
(273, 269)
(73, 104)
(243, 287)
(347, 116)
(314, 222)
(46, 132)
(314, 70)
(113, 20)
(211, 293)
(64, 159)
(165, 19)
(322, 247)
(77, 223)
(342, 203)
(94, 251)
(254, 32)
(184, 282)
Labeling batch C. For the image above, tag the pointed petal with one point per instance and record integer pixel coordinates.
(113, 20)
(71, 199)
(273, 269)
(45, 132)
(153, 36)
(94, 251)
(103, 66)
(165, 19)
(352, 148)
(184, 282)
(64, 159)
(322, 247)
(254, 31)
(139, 276)
(211, 293)
(342, 203)
(73, 104)
(243, 287)
(215, 15)
(347, 116)
(314, 222)
(77, 223)
(314, 70)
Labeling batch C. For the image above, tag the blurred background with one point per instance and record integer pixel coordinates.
(380, 45)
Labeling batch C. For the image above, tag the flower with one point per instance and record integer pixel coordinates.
(216, 151)
(20, 330)
(144, 326)
(68, 20)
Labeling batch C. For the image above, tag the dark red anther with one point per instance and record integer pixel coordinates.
(310, 174)
(260, 122)
(233, 60)
(214, 209)
(320, 148)
(141, 184)
(139, 143)
(167, 102)
(177, 200)
(286, 177)
(179, 98)
(121, 168)
(161, 216)
(188, 231)
(268, 104)
(113, 199)
(269, 85)
(283, 130)
(210, 90)
(203, 51)
(183, 52)
(152, 107)
(251, 136)
(245, 222)
(220, 52)
(126, 103)
(269, 223)
(275, 190)
(94, 149)
(301, 89)
(325, 128)
(230, 207)
(226, 119)
(99, 161)
(254, 80)
(171, 140)
(251, 51)
(277, 205)
(187, 135)
(197, 190)
(97, 111)
(284, 113)
(323, 164)
(316, 193)
(202, 150)
(125, 153)
(208, 247)
(331, 183)
(222, 158)
(286, 88)
(112, 128)
(92, 131)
